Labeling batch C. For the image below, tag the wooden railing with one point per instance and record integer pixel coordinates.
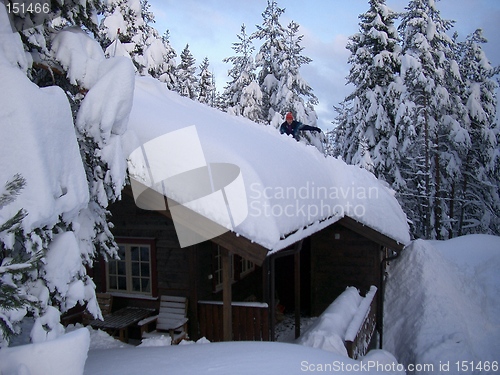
(360, 331)
(250, 321)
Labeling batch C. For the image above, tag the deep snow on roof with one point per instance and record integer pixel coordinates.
(291, 189)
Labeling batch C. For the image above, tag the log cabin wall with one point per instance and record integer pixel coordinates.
(179, 271)
(184, 272)
(340, 258)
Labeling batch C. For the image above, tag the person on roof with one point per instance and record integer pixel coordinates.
(292, 127)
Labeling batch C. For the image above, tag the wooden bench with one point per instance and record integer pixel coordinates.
(172, 318)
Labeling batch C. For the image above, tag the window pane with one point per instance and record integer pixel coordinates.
(145, 254)
(121, 268)
(112, 268)
(145, 269)
(136, 284)
(121, 252)
(135, 269)
(145, 285)
(112, 283)
(134, 253)
(122, 283)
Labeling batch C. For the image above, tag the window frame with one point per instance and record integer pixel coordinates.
(129, 242)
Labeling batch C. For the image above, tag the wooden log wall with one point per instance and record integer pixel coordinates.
(340, 258)
(179, 271)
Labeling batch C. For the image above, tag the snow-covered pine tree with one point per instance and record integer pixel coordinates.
(187, 84)
(478, 193)
(12, 296)
(215, 99)
(37, 28)
(125, 30)
(88, 228)
(167, 72)
(368, 124)
(293, 93)
(268, 59)
(330, 144)
(159, 58)
(430, 130)
(242, 93)
(25, 251)
(205, 83)
(124, 23)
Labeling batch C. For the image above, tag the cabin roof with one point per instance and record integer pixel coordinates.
(283, 190)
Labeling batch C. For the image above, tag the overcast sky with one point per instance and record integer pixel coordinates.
(211, 26)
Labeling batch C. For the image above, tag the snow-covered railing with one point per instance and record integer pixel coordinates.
(346, 326)
(360, 331)
(250, 321)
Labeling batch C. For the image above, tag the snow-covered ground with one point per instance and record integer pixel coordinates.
(441, 316)
(442, 310)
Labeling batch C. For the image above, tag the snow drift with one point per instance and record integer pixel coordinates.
(442, 302)
(64, 356)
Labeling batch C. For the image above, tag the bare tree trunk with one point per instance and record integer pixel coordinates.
(427, 210)
(438, 212)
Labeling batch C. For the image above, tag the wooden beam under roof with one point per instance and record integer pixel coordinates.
(236, 244)
(371, 233)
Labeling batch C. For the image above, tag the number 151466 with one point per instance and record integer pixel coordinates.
(23, 8)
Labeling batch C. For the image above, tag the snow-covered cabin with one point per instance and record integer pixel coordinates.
(290, 208)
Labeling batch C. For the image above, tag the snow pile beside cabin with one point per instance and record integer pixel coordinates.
(442, 303)
(292, 190)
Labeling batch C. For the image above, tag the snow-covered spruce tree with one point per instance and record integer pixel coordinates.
(205, 83)
(12, 296)
(430, 119)
(219, 100)
(167, 70)
(82, 73)
(368, 125)
(122, 31)
(28, 249)
(330, 144)
(242, 92)
(293, 93)
(477, 195)
(268, 59)
(125, 30)
(187, 84)
(36, 29)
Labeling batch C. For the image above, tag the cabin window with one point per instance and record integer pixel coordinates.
(132, 272)
(246, 267)
(240, 268)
